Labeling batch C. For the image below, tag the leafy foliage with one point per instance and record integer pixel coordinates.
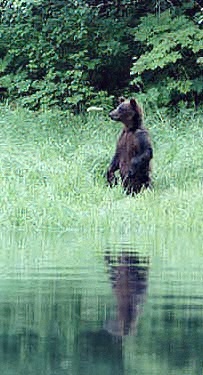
(61, 53)
(77, 53)
(171, 46)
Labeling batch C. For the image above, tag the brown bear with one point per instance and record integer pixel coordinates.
(134, 149)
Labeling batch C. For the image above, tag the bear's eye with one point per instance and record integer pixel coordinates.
(122, 109)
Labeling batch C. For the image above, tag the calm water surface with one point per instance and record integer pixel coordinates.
(81, 304)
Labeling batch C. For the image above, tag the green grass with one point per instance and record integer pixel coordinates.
(52, 168)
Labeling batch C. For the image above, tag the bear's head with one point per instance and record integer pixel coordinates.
(128, 112)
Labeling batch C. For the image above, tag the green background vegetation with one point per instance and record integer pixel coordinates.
(75, 53)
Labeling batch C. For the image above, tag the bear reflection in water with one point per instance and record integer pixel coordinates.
(129, 275)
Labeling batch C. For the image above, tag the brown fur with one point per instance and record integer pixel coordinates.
(134, 149)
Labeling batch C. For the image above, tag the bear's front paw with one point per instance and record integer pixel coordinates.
(111, 179)
(109, 176)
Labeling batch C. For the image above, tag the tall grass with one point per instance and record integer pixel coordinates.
(53, 165)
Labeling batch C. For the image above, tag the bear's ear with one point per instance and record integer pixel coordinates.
(133, 103)
(121, 99)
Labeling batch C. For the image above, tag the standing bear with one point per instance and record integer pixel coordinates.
(134, 149)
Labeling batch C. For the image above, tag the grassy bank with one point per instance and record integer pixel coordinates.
(52, 168)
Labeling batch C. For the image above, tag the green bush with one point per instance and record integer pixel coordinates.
(57, 53)
(169, 63)
(73, 54)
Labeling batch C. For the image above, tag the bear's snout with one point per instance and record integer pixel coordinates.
(114, 116)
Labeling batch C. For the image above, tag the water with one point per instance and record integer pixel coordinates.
(80, 304)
